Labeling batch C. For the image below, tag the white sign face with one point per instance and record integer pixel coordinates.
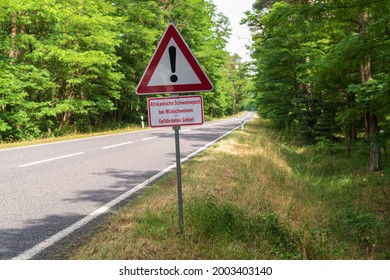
(173, 59)
(168, 111)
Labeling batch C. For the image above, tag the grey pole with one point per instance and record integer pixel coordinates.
(178, 174)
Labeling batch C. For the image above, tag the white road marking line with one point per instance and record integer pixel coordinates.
(186, 130)
(74, 140)
(50, 159)
(149, 138)
(117, 145)
(30, 253)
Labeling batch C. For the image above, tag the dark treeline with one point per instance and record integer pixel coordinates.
(73, 65)
(323, 70)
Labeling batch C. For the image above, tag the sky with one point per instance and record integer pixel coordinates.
(234, 10)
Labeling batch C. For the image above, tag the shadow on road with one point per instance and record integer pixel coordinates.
(17, 240)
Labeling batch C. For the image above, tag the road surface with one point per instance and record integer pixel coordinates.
(48, 191)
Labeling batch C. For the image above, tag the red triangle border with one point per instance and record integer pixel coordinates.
(172, 32)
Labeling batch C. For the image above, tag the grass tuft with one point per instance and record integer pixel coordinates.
(255, 195)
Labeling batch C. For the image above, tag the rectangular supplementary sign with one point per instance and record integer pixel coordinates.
(171, 111)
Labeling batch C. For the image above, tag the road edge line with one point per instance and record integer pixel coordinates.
(40, 247)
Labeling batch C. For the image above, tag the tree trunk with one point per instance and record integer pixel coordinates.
(372, 132)
(234, 104)
(14, 30)
(352, 125)
(371, 123)
(370, 119)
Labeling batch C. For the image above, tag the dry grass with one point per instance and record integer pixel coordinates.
(251, 196)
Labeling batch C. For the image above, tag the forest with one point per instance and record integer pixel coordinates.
(322, 71)
(73, 65)
(319, 69)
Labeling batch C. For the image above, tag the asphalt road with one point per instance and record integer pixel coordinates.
(47, 191)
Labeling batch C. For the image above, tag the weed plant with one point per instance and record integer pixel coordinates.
(256, 195)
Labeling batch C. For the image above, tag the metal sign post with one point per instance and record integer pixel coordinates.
(176, 128)
(184, 75)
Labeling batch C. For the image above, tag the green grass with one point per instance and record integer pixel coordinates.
(69, 136)
(255, 196)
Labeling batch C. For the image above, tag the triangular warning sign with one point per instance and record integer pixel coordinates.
(173, 68)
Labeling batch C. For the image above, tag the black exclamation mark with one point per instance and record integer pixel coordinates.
(172, 59)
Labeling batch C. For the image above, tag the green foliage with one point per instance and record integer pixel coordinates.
(156, 225)
(74, 64)
(212, 220)
(363, 227)
(357, 200)
(321, 68)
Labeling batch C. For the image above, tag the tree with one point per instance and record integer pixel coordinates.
(363, 28)
(321, 68)
(64, 63)
(236, 83)
(141, 27)
(74, 64)
(206, 32)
